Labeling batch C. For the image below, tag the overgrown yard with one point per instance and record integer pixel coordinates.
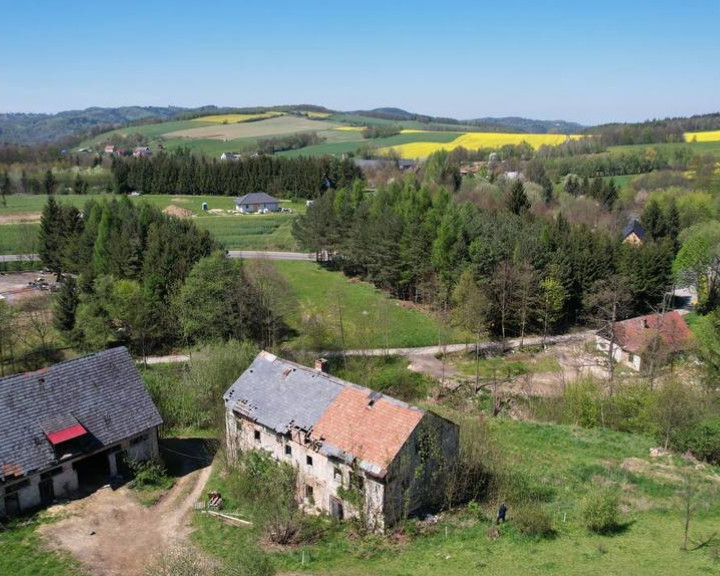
(337, 312)
(562, 466)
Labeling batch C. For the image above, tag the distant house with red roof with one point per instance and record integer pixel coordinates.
(635, 338)
(342, 439)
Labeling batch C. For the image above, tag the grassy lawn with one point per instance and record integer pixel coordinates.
(23, 553)
(236, 232)
(19, 238)
(570, 463)
(505, 366)
(370, 319)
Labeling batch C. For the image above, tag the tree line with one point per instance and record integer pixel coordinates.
(509, 270)
(181, 172)
(133, 275)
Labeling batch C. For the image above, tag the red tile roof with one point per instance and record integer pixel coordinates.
(370, 426)
(635, 334)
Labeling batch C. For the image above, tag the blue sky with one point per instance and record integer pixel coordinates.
(583, 61)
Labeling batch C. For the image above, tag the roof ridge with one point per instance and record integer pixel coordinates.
(337, 380)
(67, 362)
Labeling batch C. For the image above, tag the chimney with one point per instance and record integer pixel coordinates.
(321, 365)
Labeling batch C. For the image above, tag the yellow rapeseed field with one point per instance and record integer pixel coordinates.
(317, 114)
(235, 118)
(350, 128)
(475, 140)
(713, 136)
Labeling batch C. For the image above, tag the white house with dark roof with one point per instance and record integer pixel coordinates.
(357, 452)
(70, 426)
(257, 202)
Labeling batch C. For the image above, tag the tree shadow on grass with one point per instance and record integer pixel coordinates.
(616, 530)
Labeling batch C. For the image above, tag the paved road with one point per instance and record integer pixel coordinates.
(259, 254)
(451, 348)
(421, 351)
(16, 257)
(246, 254)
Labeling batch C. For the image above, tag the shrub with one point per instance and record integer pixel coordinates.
(601, 511)
(149, 473)
(520, 487)
(703, 440)
(532, 520)
(268, 488)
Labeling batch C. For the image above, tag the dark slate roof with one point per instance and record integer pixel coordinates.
(636, 227)
(282, 395)
(256, 198)
(102, 391)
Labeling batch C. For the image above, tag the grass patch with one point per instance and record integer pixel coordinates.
(506, 366)
(572, 462)
(23, 553)
(370, 318)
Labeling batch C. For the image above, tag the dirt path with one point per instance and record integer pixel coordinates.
(127, 536)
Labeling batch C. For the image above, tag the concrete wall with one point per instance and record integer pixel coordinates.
(321, 475)
(143, 446)
(65, 484)
(412, 481)
(416, 477)
(619, 355)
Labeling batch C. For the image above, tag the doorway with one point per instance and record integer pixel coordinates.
(47, 491)
(336, 508)
(94, 471)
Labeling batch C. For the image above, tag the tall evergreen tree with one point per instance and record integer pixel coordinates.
(50, 237)
(80, 186)
(49, 183)
(5, 187)
(517, 201)
(101, 260)
(66, 306)
(654, 220)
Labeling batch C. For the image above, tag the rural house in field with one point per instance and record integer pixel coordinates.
(358, 453)
(635, 338)
(142, 152)
(71, 426)
(229, 156)
(257, 202)
(633, 233)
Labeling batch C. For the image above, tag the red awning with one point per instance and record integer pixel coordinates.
(66, 434)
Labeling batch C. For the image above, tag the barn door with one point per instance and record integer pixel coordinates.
(47, 492)
(12, 505)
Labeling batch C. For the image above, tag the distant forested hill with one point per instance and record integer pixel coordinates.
(21, 128)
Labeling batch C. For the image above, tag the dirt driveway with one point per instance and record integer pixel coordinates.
(127, 535)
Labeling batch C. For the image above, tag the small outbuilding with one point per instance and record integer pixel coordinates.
(633, 233)
(257, 202)
(72, 426)
(357, 452)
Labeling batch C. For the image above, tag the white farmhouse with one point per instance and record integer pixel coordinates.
(72, 427)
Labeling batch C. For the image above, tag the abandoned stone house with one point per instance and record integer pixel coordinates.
(358, 453)
(633, 341)
(72, 426)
